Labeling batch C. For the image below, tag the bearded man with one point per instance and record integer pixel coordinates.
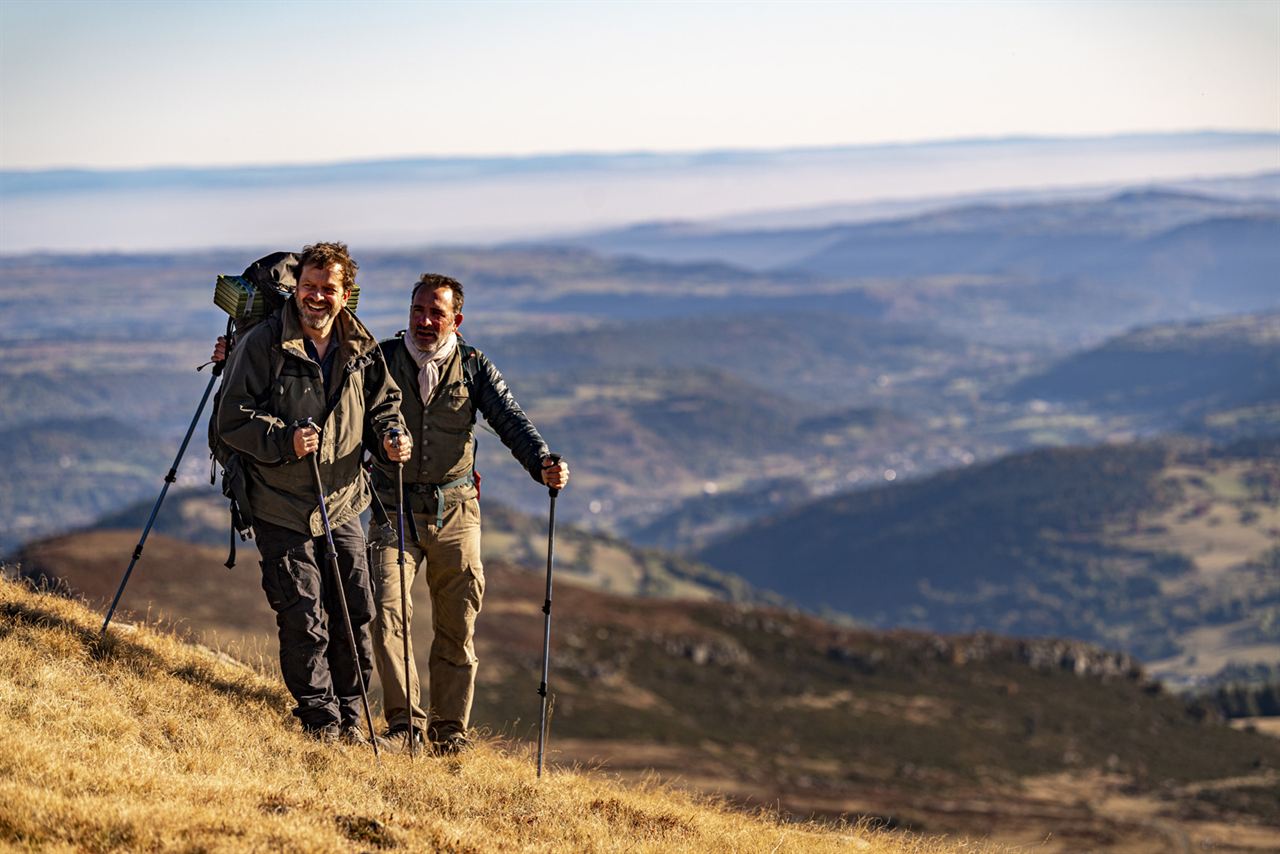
(445, 383)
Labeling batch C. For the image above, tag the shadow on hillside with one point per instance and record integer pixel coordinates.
(114, 649)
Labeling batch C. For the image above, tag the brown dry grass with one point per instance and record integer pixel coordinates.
(143, 742)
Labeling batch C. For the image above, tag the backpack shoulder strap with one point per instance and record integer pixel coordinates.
(470, 367)
(470, 370)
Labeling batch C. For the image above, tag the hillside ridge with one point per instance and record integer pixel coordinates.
(138, 741)
(771, 707)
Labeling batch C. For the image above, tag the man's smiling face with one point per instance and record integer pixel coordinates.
(321, 295)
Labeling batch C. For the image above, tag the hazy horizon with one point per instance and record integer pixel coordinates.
(731, 151)
(394, 204)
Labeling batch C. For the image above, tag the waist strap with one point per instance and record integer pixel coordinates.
(437, 489)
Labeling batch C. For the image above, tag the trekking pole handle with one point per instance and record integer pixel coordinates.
(304, 422)
(555, 460)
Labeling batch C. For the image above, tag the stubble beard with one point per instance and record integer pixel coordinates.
(318, 318)
(320, 323)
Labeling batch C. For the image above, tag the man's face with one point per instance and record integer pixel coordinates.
(432, 317)
(320, 295)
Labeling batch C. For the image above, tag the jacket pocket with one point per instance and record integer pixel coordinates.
(452, 409)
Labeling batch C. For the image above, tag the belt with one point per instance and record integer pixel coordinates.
(437, 489)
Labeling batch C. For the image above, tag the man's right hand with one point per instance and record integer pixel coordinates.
(398, 446)
(219, 350)
(306, 440)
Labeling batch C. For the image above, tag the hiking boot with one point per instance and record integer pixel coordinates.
(325, 733)
(397, 738)
(450, 743)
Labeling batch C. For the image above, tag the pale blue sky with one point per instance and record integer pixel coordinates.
(130, 84)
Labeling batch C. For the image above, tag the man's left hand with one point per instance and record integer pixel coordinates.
(555, 475)
(399, 446)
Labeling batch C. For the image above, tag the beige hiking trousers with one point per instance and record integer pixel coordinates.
(450, 559)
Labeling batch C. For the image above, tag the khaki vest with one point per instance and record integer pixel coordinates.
(443, 442)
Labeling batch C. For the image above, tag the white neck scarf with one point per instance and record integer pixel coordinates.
(430, 362)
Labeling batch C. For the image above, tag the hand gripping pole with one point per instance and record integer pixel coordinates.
(546, 623)
(404, 599)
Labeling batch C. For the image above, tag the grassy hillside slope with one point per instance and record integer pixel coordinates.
(140, 742)
(978, 736)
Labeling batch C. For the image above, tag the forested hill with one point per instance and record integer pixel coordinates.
(1220, 376)
(1133, 546)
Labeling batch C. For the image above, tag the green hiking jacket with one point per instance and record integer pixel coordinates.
(271, 384)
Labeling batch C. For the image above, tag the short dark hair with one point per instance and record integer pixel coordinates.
(435, 281)
(325, 255)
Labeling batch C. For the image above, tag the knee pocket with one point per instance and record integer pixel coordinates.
(359, 596)
(475, 571)
(285, 581)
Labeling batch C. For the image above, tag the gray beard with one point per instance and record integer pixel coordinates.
(315, 321)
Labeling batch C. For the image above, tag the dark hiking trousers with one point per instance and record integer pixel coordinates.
(315, 656)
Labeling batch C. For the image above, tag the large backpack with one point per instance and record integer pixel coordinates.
(256, 296)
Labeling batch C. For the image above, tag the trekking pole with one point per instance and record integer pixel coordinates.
(169, 479)
(404, 594)
(332, 558)
(546, 623)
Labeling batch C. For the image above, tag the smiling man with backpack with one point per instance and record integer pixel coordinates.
(314, 360)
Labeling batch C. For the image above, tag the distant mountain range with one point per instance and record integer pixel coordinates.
(1058, 269)
(986, 233)
(428, 201)
(452, 169)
